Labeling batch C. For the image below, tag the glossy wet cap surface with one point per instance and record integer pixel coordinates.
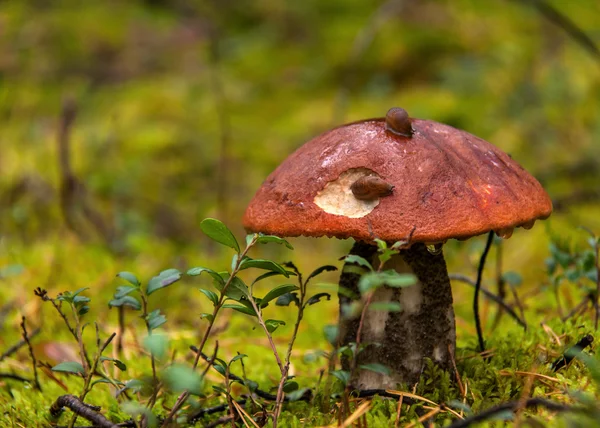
(446, 183)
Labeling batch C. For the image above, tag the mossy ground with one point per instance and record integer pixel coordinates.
(519, 365)
(162, 123)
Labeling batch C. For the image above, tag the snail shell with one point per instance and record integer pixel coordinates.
(371, 187)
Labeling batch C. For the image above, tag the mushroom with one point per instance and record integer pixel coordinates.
(398, 178)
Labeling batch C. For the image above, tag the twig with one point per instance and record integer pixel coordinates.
(458, 380)
(566, 24)
(81, 409)
(488, 244)
(221, 421)
(491, 296)
(18, 345)
(572, 352)
(43, 294)
(512, 406)
(587, 299)
(36, 380)
(127, 424)
(13, 377)
(121, 331)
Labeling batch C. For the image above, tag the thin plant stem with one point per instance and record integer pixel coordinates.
(184, 395)
(486, 250)
(31, 354)
(288, 356)
(489, 295)
(155, 388)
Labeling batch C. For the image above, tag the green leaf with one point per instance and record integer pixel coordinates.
(287, 298)
(342, 375)
(320, 270)
(512, 278)
(237, 357)
(79, 291)
(290, 386)
(297, 394)
(104, 380)
(252, 385)
(212, 296)
(311, 357)
(157, 345)
(69, 367)
(120, 365)
(243, 309)
(263, 239)
(155, 319)
(377, 368)
(361, 261)
(134, 384)
(381, 245)
(133, 408)
(198, 270)
(162, 280)
(237, 289)
(385, 306)
(207, 316)
(391, 278)
(273, 324)
(124, 290)
(263, 264)
(218, 232)
(386, 255)
(270, 274)
(80, 299)
(130, 301)
(331, 332)
(317, 298)
(280, 290)
(130, 278)
(219, 389)
(182, 378)
(460, 406)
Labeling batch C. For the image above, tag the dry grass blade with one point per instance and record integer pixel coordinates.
(522, 373)
(360, 410)
(426, 416)
(552, 334)
(409, 395)
(245, 415)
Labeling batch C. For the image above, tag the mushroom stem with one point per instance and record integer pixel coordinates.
(424, 328)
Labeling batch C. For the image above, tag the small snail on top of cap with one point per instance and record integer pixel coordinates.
(398, 122)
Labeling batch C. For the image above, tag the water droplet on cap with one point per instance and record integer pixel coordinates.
(505, 233)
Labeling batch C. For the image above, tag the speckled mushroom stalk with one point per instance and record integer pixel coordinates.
(424, 328)
(396, 178)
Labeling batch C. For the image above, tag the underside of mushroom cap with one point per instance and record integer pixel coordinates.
(446, 183)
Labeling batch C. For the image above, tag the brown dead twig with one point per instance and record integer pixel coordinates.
(82, 409)
(14, 348)
(36, 380)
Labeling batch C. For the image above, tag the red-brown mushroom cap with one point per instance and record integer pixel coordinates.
(429, 178)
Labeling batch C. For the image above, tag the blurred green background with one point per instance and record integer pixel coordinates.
(182, 108)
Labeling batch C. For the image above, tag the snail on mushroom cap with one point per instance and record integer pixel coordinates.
(399, 178)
